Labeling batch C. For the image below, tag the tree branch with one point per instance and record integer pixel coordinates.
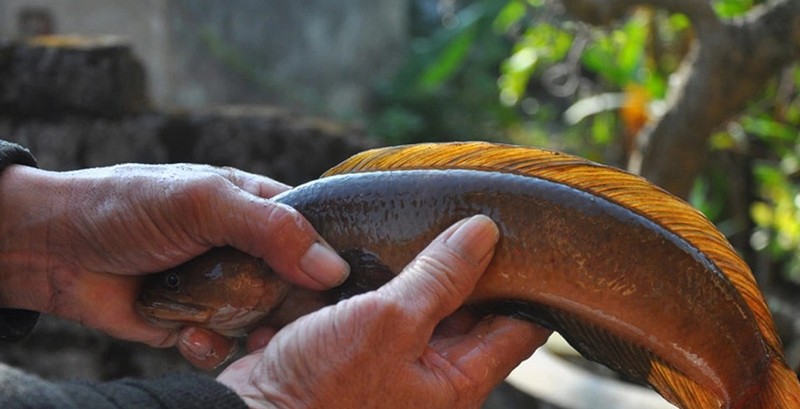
(729, 65)
(603, 12)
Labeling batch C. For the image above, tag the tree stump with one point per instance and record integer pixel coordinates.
(56, 75)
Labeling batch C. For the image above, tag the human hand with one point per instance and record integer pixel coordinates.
(390, 348)
(75, 244)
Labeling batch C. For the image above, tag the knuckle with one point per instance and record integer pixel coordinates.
(231, 174)
(389, 309)
(166, 340)
(246, 182)
(444, 272)
(374, 311)
(282, 219)
(202, 189)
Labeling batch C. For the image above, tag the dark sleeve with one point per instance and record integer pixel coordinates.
(19, 390)
(11, 153)
(14, 323)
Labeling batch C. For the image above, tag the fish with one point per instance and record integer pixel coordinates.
(631, 276)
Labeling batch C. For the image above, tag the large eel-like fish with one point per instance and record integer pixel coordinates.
(631, 276)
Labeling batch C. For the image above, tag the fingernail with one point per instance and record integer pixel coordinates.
(204, 353)
(475, 238)
(324, 265)
(196, 345)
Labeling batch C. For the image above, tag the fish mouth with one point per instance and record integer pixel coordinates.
(171, 314)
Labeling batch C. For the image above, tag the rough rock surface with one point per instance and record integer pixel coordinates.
(80, 76)
(263, 140)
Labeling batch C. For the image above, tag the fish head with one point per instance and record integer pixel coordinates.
(223, 290)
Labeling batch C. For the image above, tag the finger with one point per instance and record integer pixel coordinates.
(492, 349)
(453, 329)
(438, 281)
(459, 323)
(256, 185)
(205, 349)
(278, 234)
(241, 376)
(85, 298)
(495, 347)
(259, 338)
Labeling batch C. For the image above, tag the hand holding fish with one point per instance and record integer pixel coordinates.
(79, 242)
(331, 358)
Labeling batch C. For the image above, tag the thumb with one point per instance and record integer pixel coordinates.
(441, 277)
(278, 234)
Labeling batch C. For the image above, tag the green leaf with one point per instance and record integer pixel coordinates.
(450, 59)
(632, 47)
(604, 128)
(732, 8)
(449, 48)
(541, 44)
(762, 214)
(768, 175)
(722, 141)
(679, 22)
(510, 15)
(770, 130)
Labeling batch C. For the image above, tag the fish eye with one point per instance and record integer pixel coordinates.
(172, 281)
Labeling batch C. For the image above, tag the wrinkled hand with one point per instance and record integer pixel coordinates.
(78, 242)
(390, 348)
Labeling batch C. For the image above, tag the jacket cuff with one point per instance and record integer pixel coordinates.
(11, 153)
(15, 323)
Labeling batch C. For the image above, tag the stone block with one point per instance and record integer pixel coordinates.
(53, 76)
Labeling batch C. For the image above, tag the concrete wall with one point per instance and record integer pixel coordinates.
(315, 56)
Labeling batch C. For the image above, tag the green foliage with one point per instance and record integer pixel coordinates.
(777, 212)
(619, 57)
(733, 8)
(447, 90)
(541, 45)
(518, 71)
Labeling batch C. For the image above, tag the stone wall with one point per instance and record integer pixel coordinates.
(81, 101)
(264, 140)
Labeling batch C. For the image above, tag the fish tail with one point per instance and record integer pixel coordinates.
(781, 389)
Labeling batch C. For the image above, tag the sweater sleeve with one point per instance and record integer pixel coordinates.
(15, 323)
(11, 153)
(19, 390)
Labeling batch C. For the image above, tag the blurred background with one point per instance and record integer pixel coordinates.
(701, 97)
